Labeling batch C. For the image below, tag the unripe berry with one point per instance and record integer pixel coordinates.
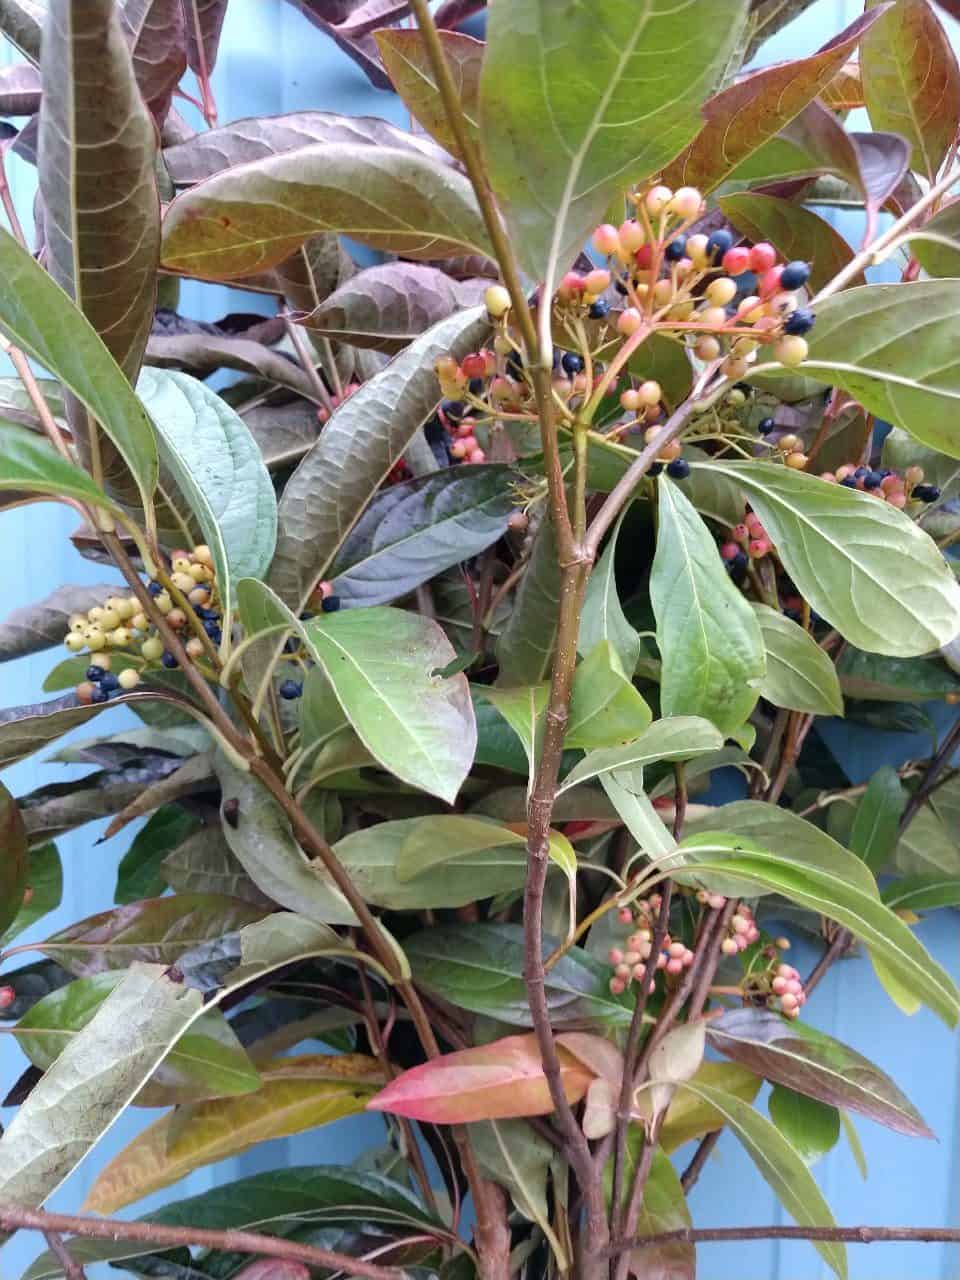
(597, 281)
(120, 637)
(476, 456)
(7, 996)
(631, 235)
(696, 250)
(789, 1001)
(716, 901)
(630, 400)
(782, 304)
(707, 348)
(650, 392)
(769, 282)
(670, 451)
(898, 500)
(75, 642)
(787, 443)
(729, 947)
(713, 317)
(791, 351)
(468, 443)
(676, 950)
(675, 966)
(474, 365)
(99, 662)
(605, 239)
(498, 301)
(194, 647)
(736, 261)
(734, 366)
(139, 622)
(128, 679)
(685, 202)
(797, 461)
(152, 648)
(748, 309)
(615, 956)
(644, 256)
(77, 621)
(180, 564)
(163, 602)
(571, 285)
(657, 199)
(95, 638)
(722, 291)
(662, 292)
(630, 321)
(779, 986)
(617, 986)
(744, 347)
(912, 476)
(120, 607)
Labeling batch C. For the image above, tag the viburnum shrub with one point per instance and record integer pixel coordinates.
(440, 617)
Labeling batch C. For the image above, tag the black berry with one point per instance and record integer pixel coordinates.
(794, 275)
(169, 660)
(99, 695)
(675, 249)
(599, 309)
(678, 469)
(154, 588)
(109, 682)
(848, 482)
(925, 492)
(801, 321)
(95, 674)
(453, 410)
(872, 480)
(766, 425)
(718, 244)
(655, 468)
(291, 689)
(572, 363)
(330, 604)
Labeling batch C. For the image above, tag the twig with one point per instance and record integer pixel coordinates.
(12, 1219)
(691, 1173)
(30, 385)
(72, 1269)
(306, 362)
(6, 199)
(848, 1235)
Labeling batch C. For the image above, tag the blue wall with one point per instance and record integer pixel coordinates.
(272, 61)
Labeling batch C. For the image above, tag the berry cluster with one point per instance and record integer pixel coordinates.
(889, 485)
(742, 931)
(629, 965)
(748, 541)
(786, 988)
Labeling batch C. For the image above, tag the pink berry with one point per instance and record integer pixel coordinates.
(897, 500)
(631, 958)
(597, 281)
(638, 971)
(687, 957)
(762, 257)
(794, 987)
(769, 282)
(475, 365)
(476, 456)
(625, 915)
(779, 986)
(675, 966)
(606, 239)
(622, 971)
(739, 924)
(676, 950)
(617, 986)
(7, 997)
(789, 1001)
(631, 235)
(629, 321)
(758, 548)
(729, 947)
(716, 902)
(736, 261)
(615, 956)
(740, 533)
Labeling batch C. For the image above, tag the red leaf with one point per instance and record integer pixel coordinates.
(491, 1082)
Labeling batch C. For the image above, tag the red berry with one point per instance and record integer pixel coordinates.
(7, 997)
(758, 548)
(769, 282)
(762, 257)
(474, 366)
(644, 256)
(736, 261)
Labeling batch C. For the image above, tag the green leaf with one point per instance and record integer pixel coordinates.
(911, 81)
(498, 744)
(812, 1128)
(940, 259)
(207, 1061)
(98, 147)
(408, 66)
(799, 675)
(927, 847)
(217, 465)
(664, 1208)
(40, 318)
(480, 966)
(689, 1117)
(837, 893)
(709, 639)
(155, 931)
(780, 1166)
(204, 863)
(878, 678)
(891, 346)
(139, 874)
(841, 548)
(365, 437)
(43, 881)
(13, 860)
(796, 231)
(605, 708)
(523, 709)
(922, 893)
(264, 845)
(525, 647)
(250, 218)
(804, 1059)
(515, 1157)
(577, 104)
(289, 1101)
(873, 836)
(93, 1080)
(626, 794)
(672, 738)
(756, 107)
(419, 726)
(31, 467)
(411, 532)
(602, 617)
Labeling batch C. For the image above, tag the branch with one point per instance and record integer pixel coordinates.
(12, 1219)
(72, 1269)
(847, 1235)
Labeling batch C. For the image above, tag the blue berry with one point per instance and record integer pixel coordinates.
(216, 635)
(800, 322)
(154, 588)
(599, 309)
(655, 468)
(95, 674)
(861, 473)
(306, 615)
(925, 492)
(453, 410)
(475, 386)
(330, 604)
(169, 660)
(109, 682)
(848, 482)
(678, 469)
(746, 283)
(572, 363)
(766, 425)
(291, 689)
(675, 249)
(210, 627)
(291, 645)
(872, 480)
(718, 244)
(99, 695)
(794, 275)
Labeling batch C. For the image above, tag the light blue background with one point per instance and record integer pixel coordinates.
(273, 61)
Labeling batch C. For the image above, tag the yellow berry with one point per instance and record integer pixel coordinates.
(670, 451)
(502, 345)
(788, 443)
(749, 309)
(128, 679)
(152, 648)
(180, 565)
(75, 642)
(139, 622)
(95, 638)
(713, 317)
(734, 367)
(176, 618)
(685, 202)
(109, 619)
(101, 660)
(120, 637)
(662, 292)
(650, 392)
(657, 199)
(498, 301)
(182, 581)
(198, 595)
(722, 291)
(791, 350)
(707, 348)
(194, 647)
(796, 460)
(736, 398)
(203, 553)
(95, 614)
(696, 250)
(163, 602)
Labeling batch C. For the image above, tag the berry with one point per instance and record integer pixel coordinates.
(707, 348)
(925, 492)
(453, 410)
(655, 468)
(474, 365)
(795, 275)
(872, 480)
(800, 321)
(154, 588)
(720, 292)
(631, 235)
(169, 660)
(766, 425)
(599, 309)
(203, 554)
(697, 250)
(686, 203)
(109, 682)
(630, 400)
(597, 281)
(95, 638)
(650, 392)
(629, 321)
(571, 362)
(644, 256)
(770, 282)
(7, 997)
(657, 199)
(606, 240)
(848, 482)
(128, 679)
(729, 551)
(713, 317)
(99, 695)
(330, 604)
(718, 244)
(84, 693)
(679, 469)
(290, 689)
(570, 285)
(736, 261)
(762, 256)
(791, 351)
(797, 461)
(95, 674)
(676, 249)
(497, 300)
(152, 648)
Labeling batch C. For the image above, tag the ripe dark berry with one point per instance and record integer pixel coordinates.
(655, 468)
(848, 482)
(676, 249)
(678, 469)
(572, 363)
(210, 627)
(599, 309)
(99, 695)
(861, 473)
(475, 386)
(109, 682)
(766, 425)
(925, 492)
(291, 689)
(800, 321)
(718, 244)
(216, 635)
(95, 674)
(795, 275)
(872, 480)
(168, 659)
(155, 588)
(330, 604)
(453, 410)
(291, 645)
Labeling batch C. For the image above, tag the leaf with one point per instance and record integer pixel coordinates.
(13, 860)
(576, 105)
(411, 532)
(672, 738)
(329, 1089)
(689, 1117)
(940, 259)
(840, 546)
(780, 1166)
(38, 316)
(43, 883)
(21, 21)
(479, 967)
(799, 674)
(664, 1208)
(250, 218)
(891, 346)
(207, 1061)
(911, 81)
(814, 142)
(513, 1155)
(742, 117)
(812, 1128)
(201, 353)
(154, 30)
(708, 636)
(873, 676)
(42, 625)
(218, 466)
(204, 22)
(139, 874)
(796, 231)
(927, 847)
(523, 709)
(838, 894)
(155, 931)
(264, 845)
(24, 730)
(98, 147)
(525, 647)
(408, 66)
(605, 708)
(602, 617)
(364, 438)
(419, 726)
(90, 1084)
(19, 90)
(637, 813)
(876, 824)
(260, 137)
(204, 863)
(922, 893)
(30, 468)
(494, 1081)
(385, 307)
(802, 1058)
